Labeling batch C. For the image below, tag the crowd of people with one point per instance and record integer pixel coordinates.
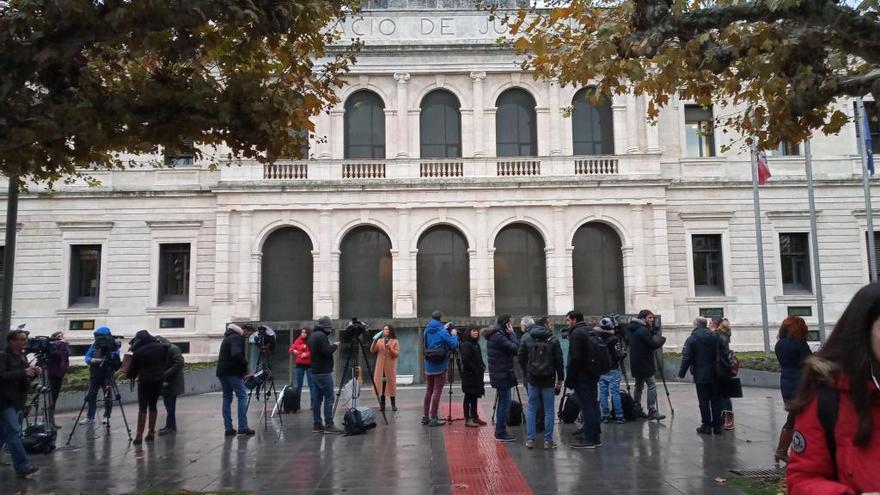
(832, 398)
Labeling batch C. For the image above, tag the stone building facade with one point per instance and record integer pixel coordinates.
(448, 177)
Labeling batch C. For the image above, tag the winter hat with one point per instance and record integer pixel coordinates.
(140, 338)
(324, 322)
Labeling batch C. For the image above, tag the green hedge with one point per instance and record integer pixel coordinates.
(752, 360)
(77, 379)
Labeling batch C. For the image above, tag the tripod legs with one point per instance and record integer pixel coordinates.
(665, 387)
(112, 395)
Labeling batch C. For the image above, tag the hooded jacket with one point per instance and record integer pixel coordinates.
(700, 355)
(148, 363)
(437, 337)
(501, 347)
(321, 348)
(811, 471)
(473, 368)
(533, 334)
(303, 355)
(578, 356)
(232, 360)
(174, 366)
(642, 344)
(91, 352)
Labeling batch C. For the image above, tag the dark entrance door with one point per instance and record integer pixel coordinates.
(287, 274)
(520, 271)
(598, 270)
(365, 274)
(443, 272)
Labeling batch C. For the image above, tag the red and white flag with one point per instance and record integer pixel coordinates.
(763, 169)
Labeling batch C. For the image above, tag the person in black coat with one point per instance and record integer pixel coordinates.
(173, 386)
(582, 381)
(148, 365)
(322, 376)
(501, 347)
(472, 371)
(643, 342)
(703, 352)
(232, 366)
(791, 352)
(15, 379)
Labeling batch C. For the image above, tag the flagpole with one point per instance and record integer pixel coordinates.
(869, 213)
(759, 237)
(814, 239)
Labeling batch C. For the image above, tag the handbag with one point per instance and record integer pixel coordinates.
(731, 387)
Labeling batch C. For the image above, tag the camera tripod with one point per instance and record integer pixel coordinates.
(111, 394)
(266, 388)
(352, 362)
(453, 363)
(40, 408)
(518, 397)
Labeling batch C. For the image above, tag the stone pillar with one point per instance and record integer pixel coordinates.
(337, 134)
(323, 262)
(639, 240)
(401, 264)
(662, 283)
(543, 115)
(484, 304)
(244, 299)
(562, 297)
(402, 78)
(632, 124)
(222, 272)
(555, 119)
(652, 132)
(393, 142)
(618, 112)
(479, 118)
(414, 145)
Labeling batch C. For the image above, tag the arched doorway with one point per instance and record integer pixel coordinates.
(286, 276)
(520, 271)
(365, 274)
(443, 272)
(598, 270)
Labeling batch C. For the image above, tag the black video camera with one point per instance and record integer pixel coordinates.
(41, 345)
(265, 338)
(354, 330)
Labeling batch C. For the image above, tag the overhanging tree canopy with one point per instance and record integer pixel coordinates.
(85, 80)
(786, 60)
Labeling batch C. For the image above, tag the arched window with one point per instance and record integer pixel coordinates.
(443, 272)
(440, 125)
(598, 270)
(365, 274)
(592, 126)
(287, 274)
(364, 126)
(520, 271)
(516, 129)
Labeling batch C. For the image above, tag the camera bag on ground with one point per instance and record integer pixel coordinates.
(290, 399)
(540, 363)
(599, 356)
(358, 420)
(515, 413)
(569, 409)
(39, 439)
(628, 405)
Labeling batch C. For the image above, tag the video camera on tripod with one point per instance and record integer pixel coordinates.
(265, 338)
(354, 331)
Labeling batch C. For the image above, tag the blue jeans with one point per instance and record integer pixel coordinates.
(545, 395)
(726, 404)
(301, 375)
(10, 433)
(99, 378)
(586, 392)
(321, 390)
(501, 411)
(231, 384)
(170, 411)
(610, 382)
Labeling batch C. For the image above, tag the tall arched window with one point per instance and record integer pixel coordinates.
(364, 126)
(592, 126)
(516, 129)
(365, 274)
(287, 274)
(598, 270)
(443, 272)
(440, 125)
(520, 271)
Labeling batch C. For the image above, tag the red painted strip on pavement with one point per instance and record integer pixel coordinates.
(477, 463)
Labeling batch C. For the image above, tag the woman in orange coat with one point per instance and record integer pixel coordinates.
(387, 348)
(835, 448)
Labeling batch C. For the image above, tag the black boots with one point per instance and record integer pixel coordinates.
(382, 403)
(394, 403)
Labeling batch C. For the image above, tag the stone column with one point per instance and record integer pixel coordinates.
(337, 134)
(618, 111)
(401, 264)
(484, 304)
(222, 273)
(323, 262)
(244, 299)
(402, 78)
(632, 124)
(392, 140)
(479, 118)
(555, 119)
(639, 240)
(562, 298)
(652, 132)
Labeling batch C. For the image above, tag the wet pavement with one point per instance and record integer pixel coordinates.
(405, 457)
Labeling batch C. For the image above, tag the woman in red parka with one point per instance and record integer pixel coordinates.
(300, 350)
(848, 367)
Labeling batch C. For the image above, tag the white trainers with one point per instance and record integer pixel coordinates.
(86, 421)
(105, 421)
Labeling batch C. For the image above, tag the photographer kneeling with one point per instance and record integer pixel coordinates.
(15, 376)
(148, 365)
(102, 358)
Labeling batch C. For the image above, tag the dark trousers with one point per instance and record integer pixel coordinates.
(148, 396)
(470, 406)
(587, 396)
(98, 380)
(55, 386)
(170, 411)
(710, 404)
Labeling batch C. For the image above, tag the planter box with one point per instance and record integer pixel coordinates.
(749, 378)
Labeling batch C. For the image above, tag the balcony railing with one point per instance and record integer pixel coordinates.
(286, 171)
(441, 168)
(363, 170)
(517, 167)
(596, 165)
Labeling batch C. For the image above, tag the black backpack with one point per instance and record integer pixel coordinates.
(39, 439)
(290, 400)
(827, 409)
(540, 363)
(569, 409)
(628, 405)
(353, 422)
(515, 414)
(599, 357)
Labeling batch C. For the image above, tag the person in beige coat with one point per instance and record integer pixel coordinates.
(387, 349)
